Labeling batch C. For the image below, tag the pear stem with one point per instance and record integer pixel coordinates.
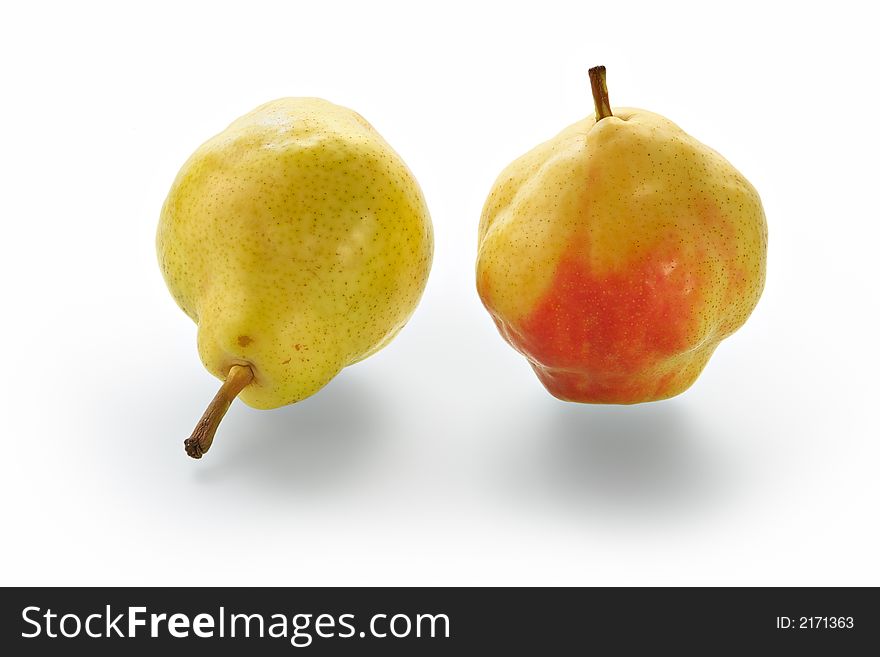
(600, 93)
(203, 435)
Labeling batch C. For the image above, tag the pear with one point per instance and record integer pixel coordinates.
(300, 243)
(616, 256)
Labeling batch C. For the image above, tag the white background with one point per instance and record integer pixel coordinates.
(441, 460)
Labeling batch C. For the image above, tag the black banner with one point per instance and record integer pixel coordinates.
(418, 621)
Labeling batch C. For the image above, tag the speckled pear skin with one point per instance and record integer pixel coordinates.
(617, 255)
(299, 242)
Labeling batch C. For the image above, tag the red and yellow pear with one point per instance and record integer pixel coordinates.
(616, 256)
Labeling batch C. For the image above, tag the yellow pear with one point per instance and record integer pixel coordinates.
(300, 243)
(617, 255)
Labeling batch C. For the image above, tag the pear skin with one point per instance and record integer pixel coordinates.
(299, 242)
(616, 256)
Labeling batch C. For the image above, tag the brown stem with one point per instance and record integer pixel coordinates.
(600, 93)
(203, 435)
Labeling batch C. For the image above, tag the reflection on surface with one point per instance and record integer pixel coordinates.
(310, 444)
(647, 459)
